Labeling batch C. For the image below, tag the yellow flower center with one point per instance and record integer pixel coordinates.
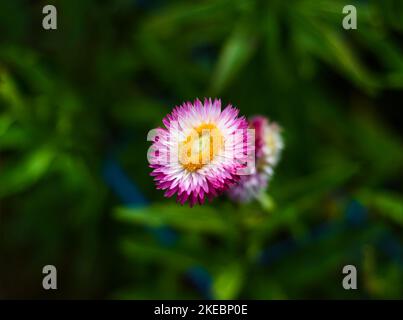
(200, 147)
(271, 141)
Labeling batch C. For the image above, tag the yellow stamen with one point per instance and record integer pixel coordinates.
(200, 147)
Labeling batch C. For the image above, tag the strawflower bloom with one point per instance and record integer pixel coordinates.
(268, 147)
(201, 151)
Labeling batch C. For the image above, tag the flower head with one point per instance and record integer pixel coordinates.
(269, 143)
(200, 151)
(268, 146)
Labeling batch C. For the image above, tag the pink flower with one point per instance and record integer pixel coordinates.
(200, 152)
(268, 147)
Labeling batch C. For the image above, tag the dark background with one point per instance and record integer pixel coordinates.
(76, 104)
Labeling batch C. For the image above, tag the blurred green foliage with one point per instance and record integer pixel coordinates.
(113, 69)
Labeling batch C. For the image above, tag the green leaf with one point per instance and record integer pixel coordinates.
(388, 204)
(150, 252)
(9, 93)
(325, 42)
(228, 281)
(5, 123)
(23, 174)
(196, 219)
(234, 55)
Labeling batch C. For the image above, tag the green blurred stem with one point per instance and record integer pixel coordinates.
(267, 202)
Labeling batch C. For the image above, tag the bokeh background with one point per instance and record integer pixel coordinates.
(75, 108)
